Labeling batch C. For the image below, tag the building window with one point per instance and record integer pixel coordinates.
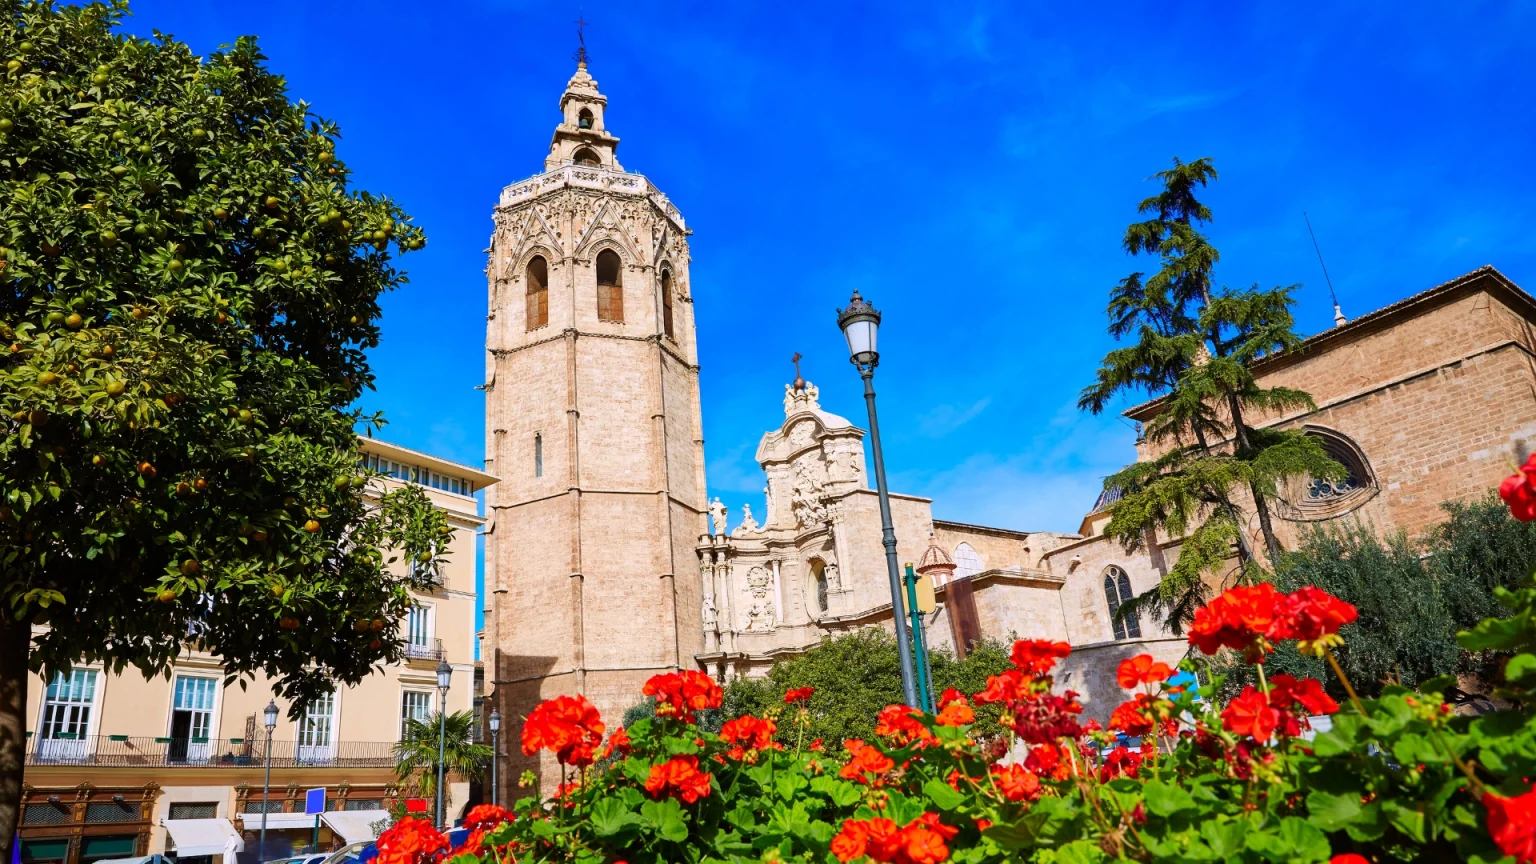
(538, 455)
(126, 811)
(414, 706)
(666, 303)
(315, 729)
(967, 562)
(67, 705)
(585, 156)
(610, 287)
(538, 292)
(191, 718)
(1117, 591)
(819, 578)
(584, 119)
(201, 810)
(418, 627)
(1316, 499)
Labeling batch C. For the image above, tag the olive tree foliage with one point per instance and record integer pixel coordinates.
(187, 287)
(854, 676)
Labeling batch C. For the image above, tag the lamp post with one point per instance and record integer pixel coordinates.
(270, 716)
(495, 749)
(860, 323)
(444, 675)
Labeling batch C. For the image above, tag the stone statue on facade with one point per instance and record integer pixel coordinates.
(748, 524)
(760, 616)
(707, 612)
(717, 516)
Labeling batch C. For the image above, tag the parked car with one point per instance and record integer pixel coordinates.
(140, 859)
(312, 858)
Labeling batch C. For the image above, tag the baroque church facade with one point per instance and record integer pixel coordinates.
(605, 564)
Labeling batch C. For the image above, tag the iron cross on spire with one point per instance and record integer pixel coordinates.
(581, 38)
(799, 384)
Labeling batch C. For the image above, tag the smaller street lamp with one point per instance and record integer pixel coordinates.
(270, 716)
(495, 723)
(444, 677)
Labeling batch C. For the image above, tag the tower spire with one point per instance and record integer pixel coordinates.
(581, 38)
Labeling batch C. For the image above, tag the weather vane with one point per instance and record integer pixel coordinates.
(799, 384)
(581, 37)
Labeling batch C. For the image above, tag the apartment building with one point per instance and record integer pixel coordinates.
(119, 766)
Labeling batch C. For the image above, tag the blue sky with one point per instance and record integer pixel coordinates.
(969, 166)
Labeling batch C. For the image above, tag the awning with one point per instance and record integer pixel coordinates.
(354, 825)
(279, 821)
(202, 836)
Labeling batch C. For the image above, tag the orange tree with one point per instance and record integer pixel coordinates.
(187, 286)
(1176, 777)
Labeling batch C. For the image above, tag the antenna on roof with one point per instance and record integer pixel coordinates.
(1338, 314)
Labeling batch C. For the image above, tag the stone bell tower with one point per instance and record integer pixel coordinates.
(593, 427)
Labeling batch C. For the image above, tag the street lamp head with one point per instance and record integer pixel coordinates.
(444, 673)
(495, 720)
(860, 323)
(270, 715)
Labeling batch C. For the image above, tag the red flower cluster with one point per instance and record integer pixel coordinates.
(1512, 824)
(954, 710)
(863, 760)
(749, 733)
(922, 841)
(798, 694)
(410, 841)
(568, 726)
(1134, 718)
(1043, 718)
(679, 694)
(1121, 761)
(1016, 782)
(486, 816)
(1038, 656)
(679, 776)
(1258, 716)
(1141, 669)
(618, 742)
(1519, 491)
(1248, 618)
(900, 724)
(1045, 761)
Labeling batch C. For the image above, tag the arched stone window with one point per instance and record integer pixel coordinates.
(584, 119)
(1117, 590)
(610, 286)
(666, 303)
(819, 581)
(538, 292)
(967, 562)
(1315, 499)
(586, 156)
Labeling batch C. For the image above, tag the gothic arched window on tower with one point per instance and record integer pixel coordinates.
(1117, 590)
(666, 303)
(538, 292)
(584, 119)
(610, 287)
(967, 562)
(538, 454)
(586, 156)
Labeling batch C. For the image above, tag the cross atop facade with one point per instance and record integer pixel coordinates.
(799, 381)
(581, 38)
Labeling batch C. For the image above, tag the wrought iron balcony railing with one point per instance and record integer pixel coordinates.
(430, 650)
(122, 751)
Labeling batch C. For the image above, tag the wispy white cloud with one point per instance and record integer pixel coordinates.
(944, 419)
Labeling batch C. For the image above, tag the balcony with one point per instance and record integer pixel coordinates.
(122, 751)
(431, 650)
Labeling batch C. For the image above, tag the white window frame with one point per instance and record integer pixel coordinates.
(319, 753)
(197, 752)
(428, 614)
(415, 691)
(70, 749)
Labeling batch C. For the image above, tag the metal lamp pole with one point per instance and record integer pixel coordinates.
(270, 715)
(860, 322)
(495, 749)
(444, 675)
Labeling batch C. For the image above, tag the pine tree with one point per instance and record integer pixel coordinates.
(1194, 348)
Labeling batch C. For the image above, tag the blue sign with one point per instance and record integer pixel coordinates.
(314, 802)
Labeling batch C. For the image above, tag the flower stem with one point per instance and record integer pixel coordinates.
(1344, 679)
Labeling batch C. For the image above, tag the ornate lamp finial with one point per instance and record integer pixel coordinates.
(799, 385)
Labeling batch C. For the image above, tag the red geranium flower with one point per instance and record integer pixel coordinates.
(753, 733)
(1285, 690)
(864, 759)
(1120, 761)
(954, 710)
(618, 742)
(1038, 656)
(679, 776)
(1134, 718)
(1007, 687)
(568, 726)
(1519, 491)
(799, 694)
(1239, 618)
(679, 694)
(1251, 714)
(410, 841)
(1512, 824)
(1045, 761)
(1349, 858)
(922, 841)
(486, 816)
(1141, 669)
(1311, 613)
(900, 724)
(852, 841)
(1016, 782)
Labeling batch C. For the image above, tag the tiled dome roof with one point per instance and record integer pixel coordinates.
(935, 558)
